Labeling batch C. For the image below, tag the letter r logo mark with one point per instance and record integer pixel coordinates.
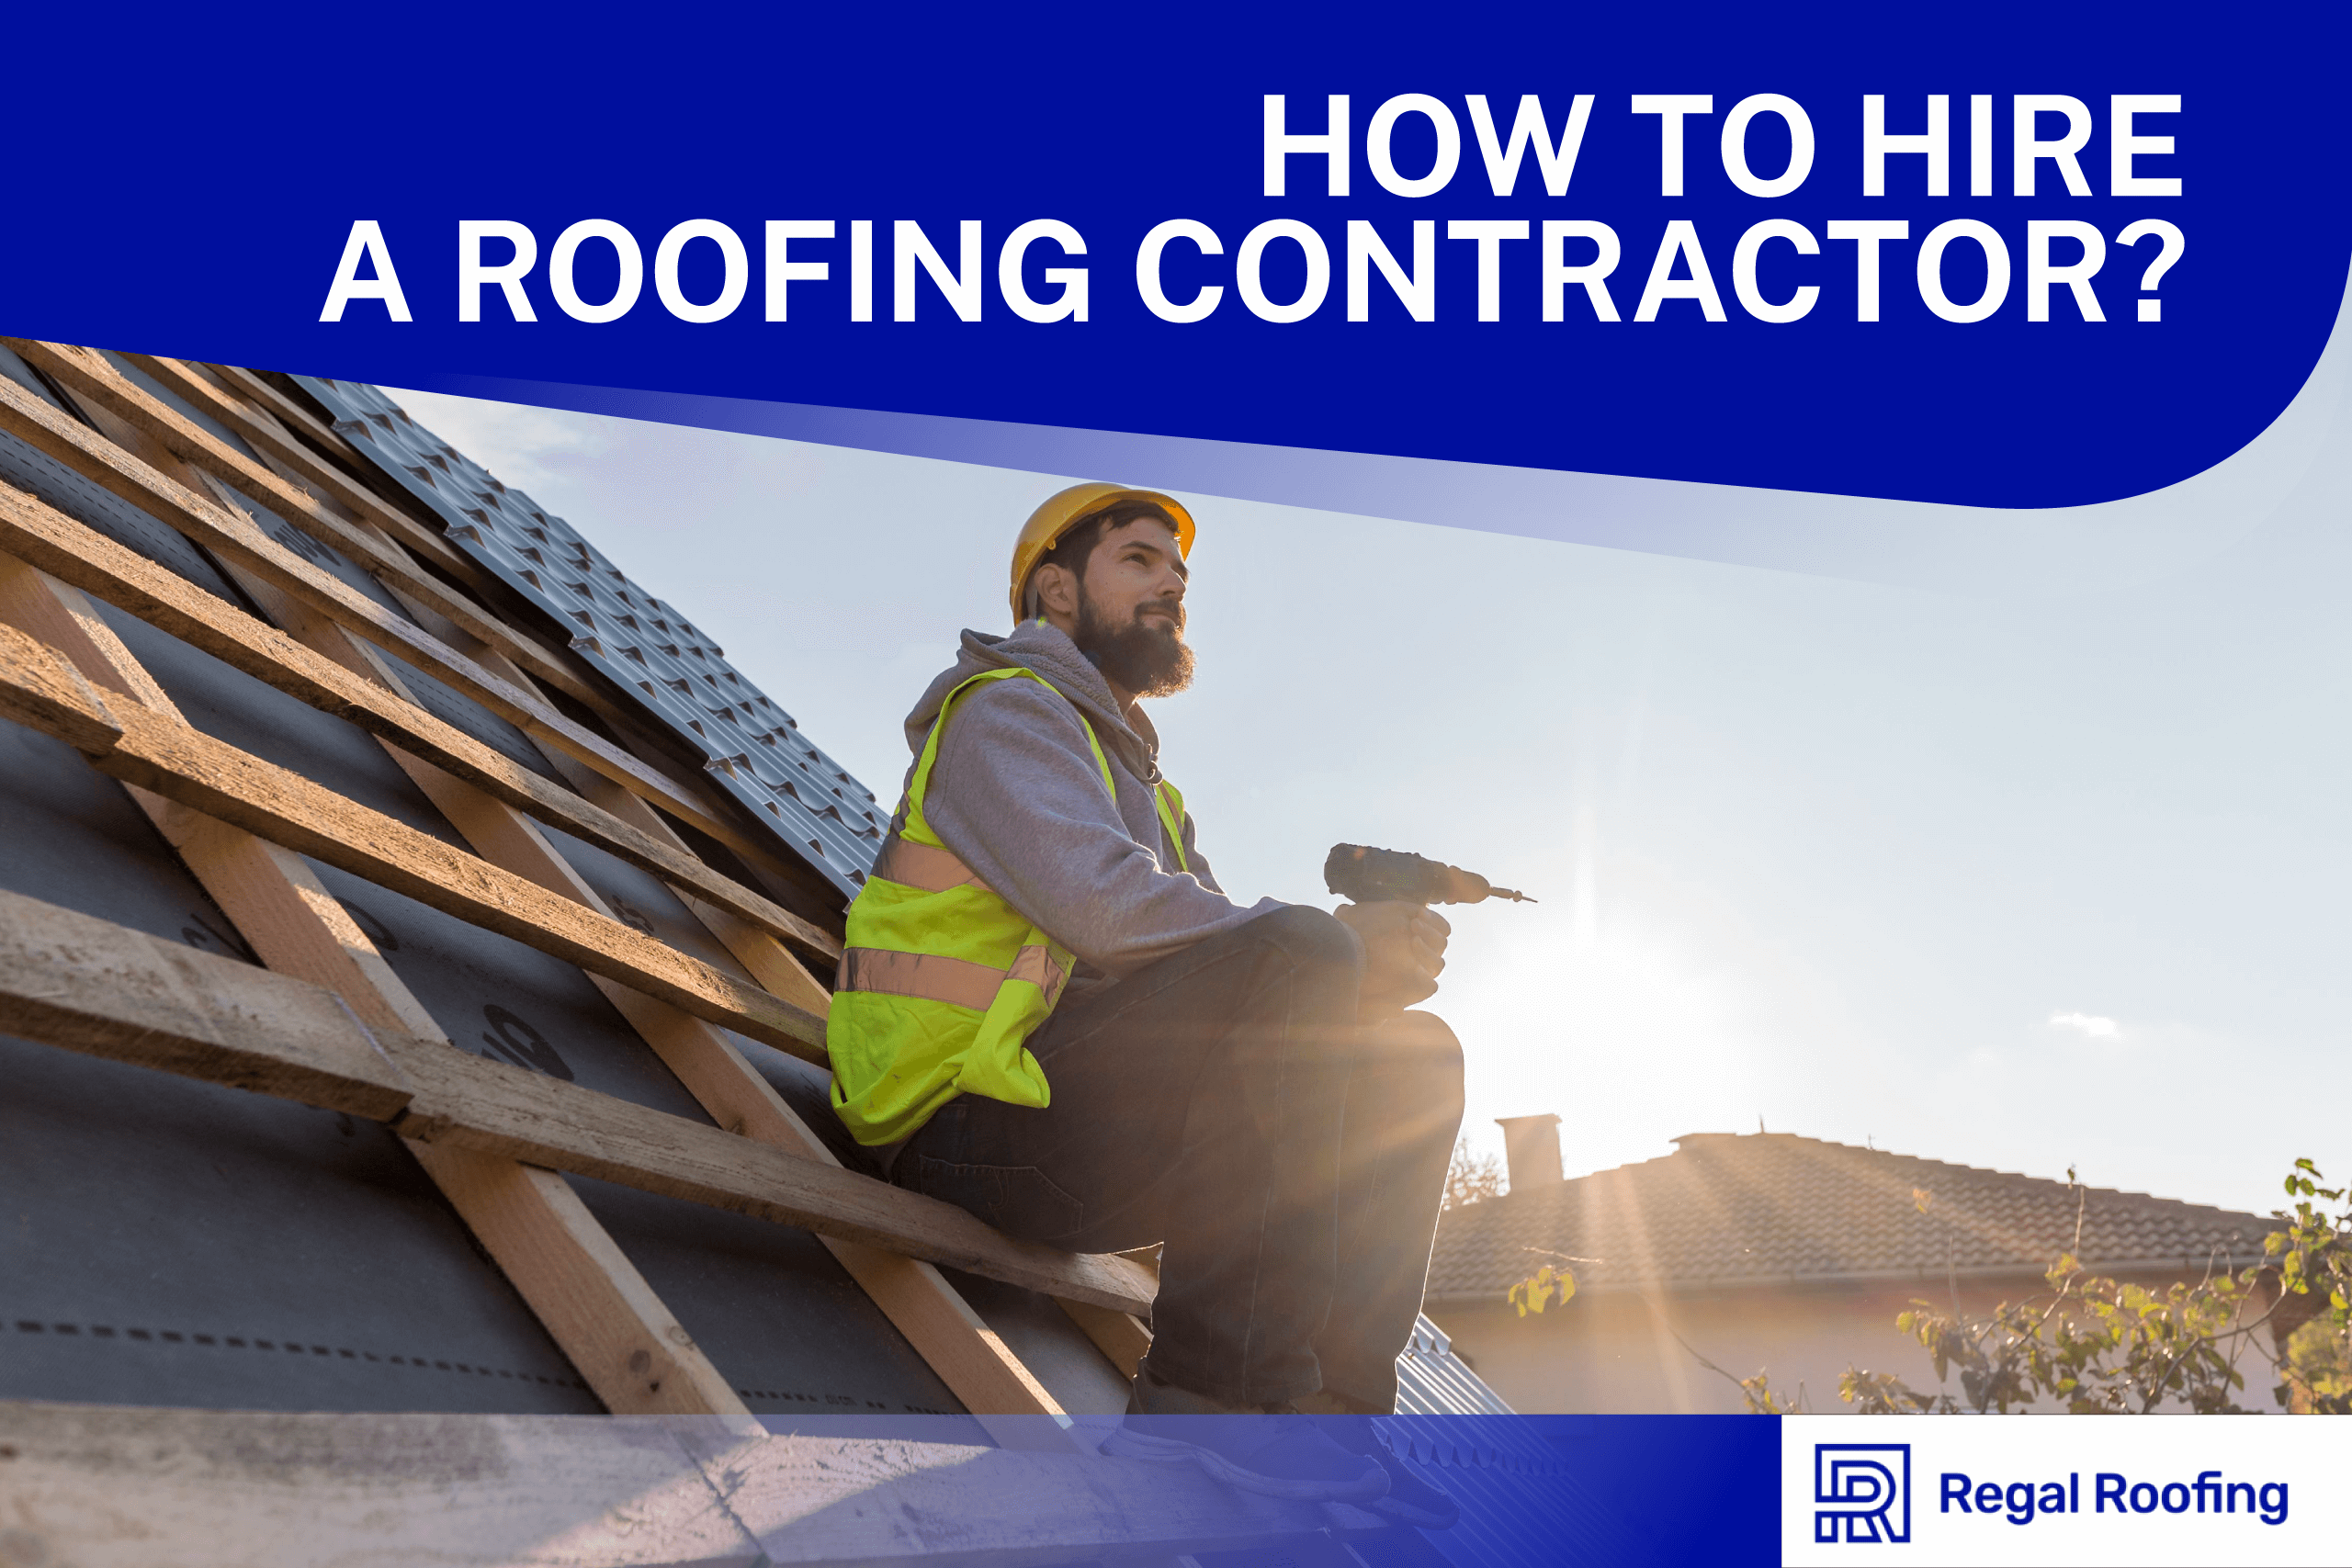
(1861, 1492)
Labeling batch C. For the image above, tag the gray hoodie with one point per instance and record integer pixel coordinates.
(1016, 795)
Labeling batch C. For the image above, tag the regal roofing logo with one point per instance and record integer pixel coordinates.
(1864, 1486)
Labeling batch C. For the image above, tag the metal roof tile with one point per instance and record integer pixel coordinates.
(510, 535)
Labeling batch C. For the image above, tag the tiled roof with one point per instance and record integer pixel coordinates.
(1731, 1210)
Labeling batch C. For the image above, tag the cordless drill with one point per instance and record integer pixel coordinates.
(1365, 875)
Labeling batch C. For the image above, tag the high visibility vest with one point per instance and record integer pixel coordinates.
(941, 982)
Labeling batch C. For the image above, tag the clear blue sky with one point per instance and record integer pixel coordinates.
(2018, 877)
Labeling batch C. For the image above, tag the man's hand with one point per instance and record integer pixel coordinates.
(1404, 952)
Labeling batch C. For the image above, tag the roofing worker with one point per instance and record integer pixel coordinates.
(1050, 1014)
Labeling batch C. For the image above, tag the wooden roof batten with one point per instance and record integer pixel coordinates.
(326, 1021)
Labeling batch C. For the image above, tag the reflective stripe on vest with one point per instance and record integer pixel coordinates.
(941, 982)
(959, 981)
(936, 869)
(932, 869)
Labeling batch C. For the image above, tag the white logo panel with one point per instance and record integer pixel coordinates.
(2146, 1492)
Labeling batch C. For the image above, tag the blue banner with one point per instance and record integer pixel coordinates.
(2011, 258)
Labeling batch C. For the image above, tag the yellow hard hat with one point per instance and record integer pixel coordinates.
(1063, 508)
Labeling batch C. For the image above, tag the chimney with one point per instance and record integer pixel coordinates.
(1532, 1146)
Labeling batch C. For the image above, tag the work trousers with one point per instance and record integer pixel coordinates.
(1226, 1102)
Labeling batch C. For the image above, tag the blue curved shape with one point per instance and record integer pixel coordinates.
(899, 137)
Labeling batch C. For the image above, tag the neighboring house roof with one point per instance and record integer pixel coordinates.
(1728, 1210)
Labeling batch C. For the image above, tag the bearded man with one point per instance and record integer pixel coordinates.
(1051, 1014)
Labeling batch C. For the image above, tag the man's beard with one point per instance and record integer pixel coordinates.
(1148, 658)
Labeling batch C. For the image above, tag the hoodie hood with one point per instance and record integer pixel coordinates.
(1046, 648)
